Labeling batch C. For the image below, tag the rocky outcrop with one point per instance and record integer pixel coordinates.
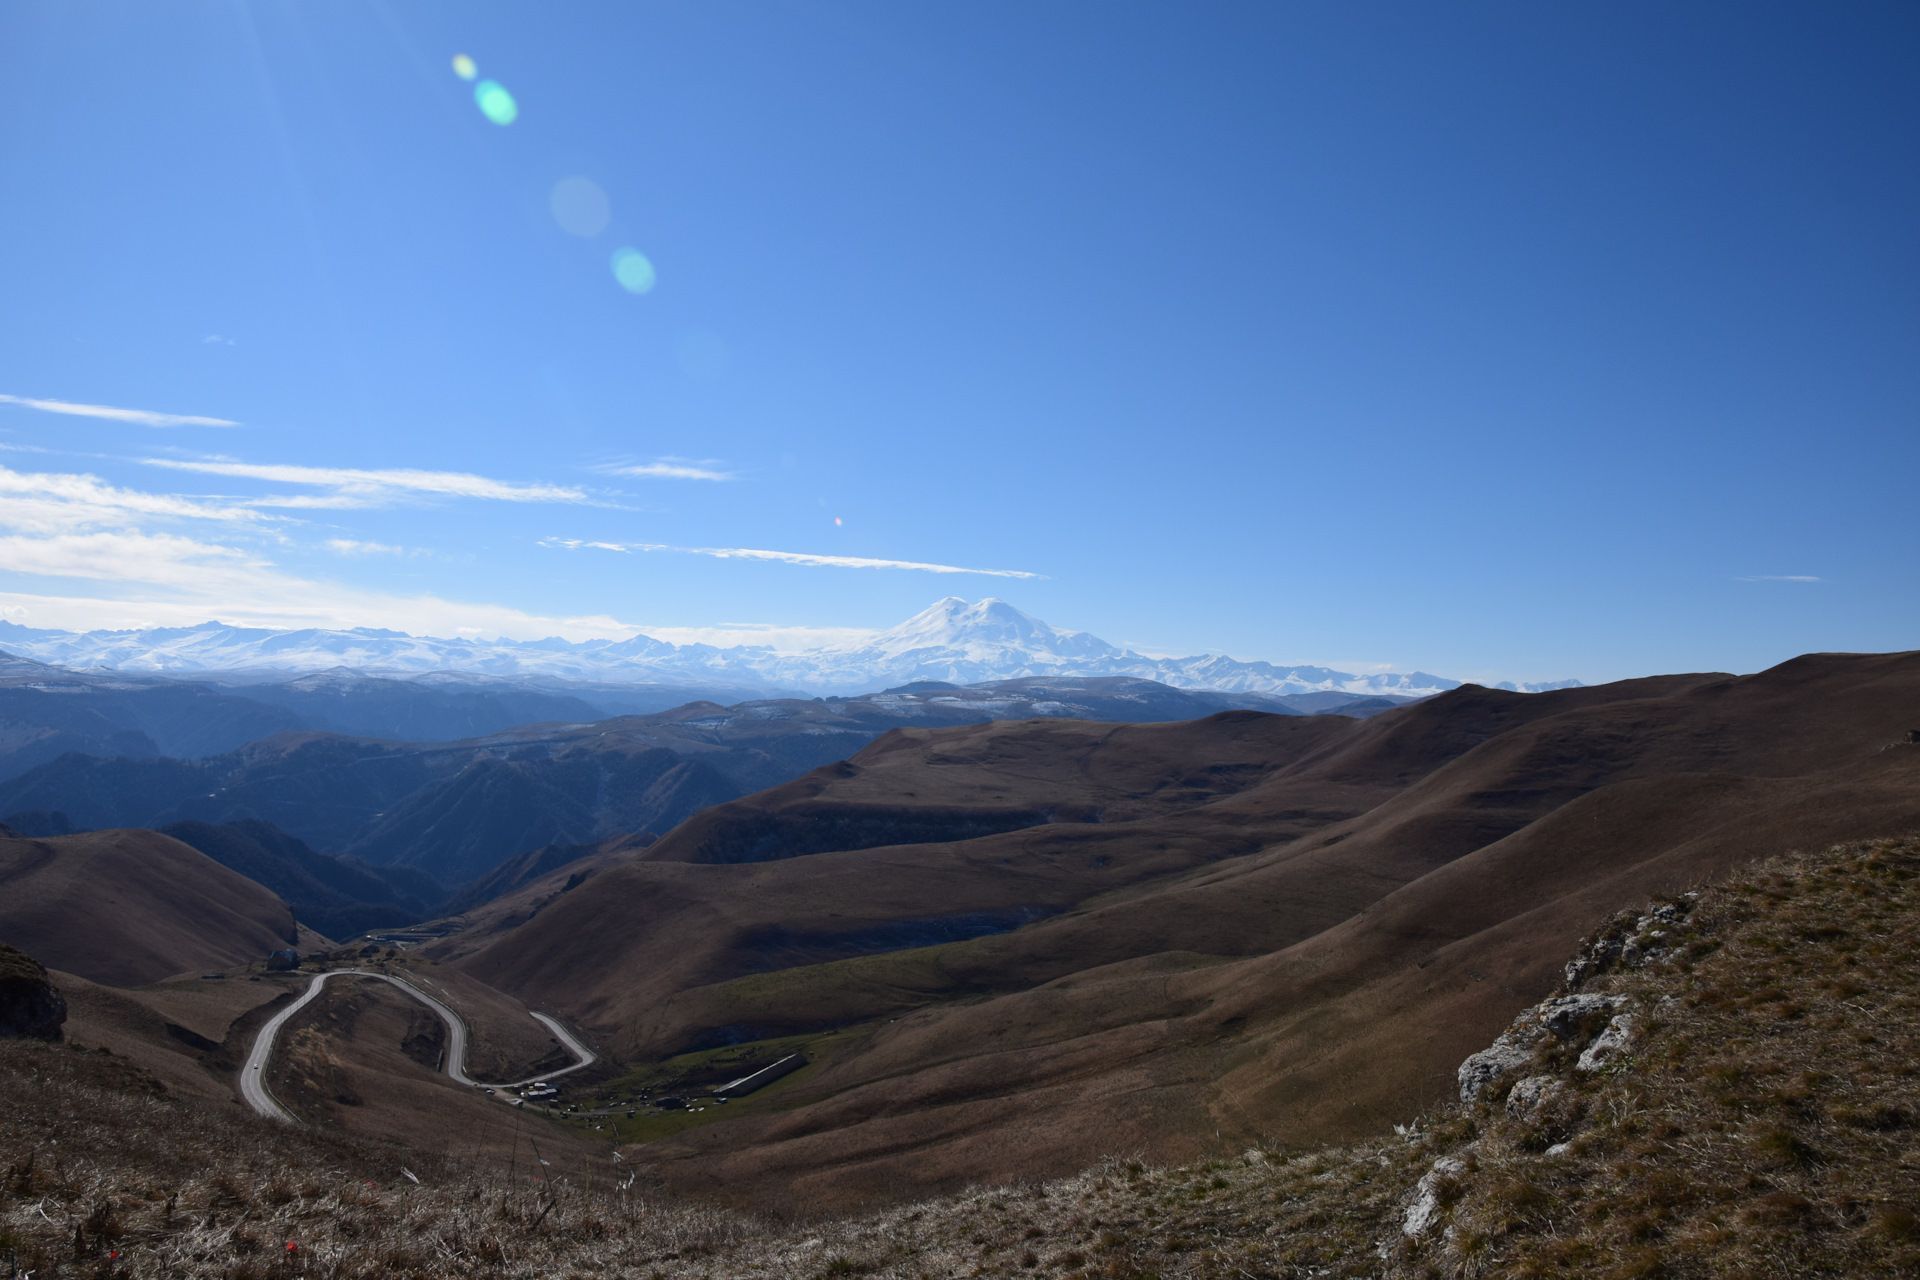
(1570, 1021)
(1609, 1044)
(29, 1006)
(1631, 939)
(1597, 1027)
(1432, 1195)
(1529, 1095)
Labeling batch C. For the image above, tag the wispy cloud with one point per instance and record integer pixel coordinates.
(1776, 577)
(270, 599)
(789, 557)
(171, 559)
(356, 488)
(671, 469)
(145, 417)
(162, 560)
(66, 525)
(63, 502)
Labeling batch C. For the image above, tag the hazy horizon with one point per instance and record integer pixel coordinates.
(1491, 341)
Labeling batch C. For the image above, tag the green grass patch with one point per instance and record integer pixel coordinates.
(690, 1076)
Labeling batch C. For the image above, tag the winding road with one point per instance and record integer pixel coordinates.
(253, 1076)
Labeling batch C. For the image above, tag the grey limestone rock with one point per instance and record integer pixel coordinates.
(1527, 1095)
(1610, 1044)
(1425, 1209)
(1632, 939)
(1480, 1072)
(1570, 1019)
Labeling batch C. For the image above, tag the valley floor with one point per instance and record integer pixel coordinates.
(1756, 1113)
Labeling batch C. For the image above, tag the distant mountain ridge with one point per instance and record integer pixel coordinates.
(455, 810)
(952, 640)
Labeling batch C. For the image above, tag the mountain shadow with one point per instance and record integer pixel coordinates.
(1279, 926)
(335, 896)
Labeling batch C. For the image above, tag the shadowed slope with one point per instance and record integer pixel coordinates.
(1280, 928)
(334, 896)
(127, 907)
(1165, 799)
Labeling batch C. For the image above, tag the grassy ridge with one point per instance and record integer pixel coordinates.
(1762, 1120)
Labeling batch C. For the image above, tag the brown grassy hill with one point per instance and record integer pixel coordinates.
(1276, 928)
(127, 907)
(1085, 812)
(1169, 799)
(191, 1034)
(1758, 1120)
(517, 873)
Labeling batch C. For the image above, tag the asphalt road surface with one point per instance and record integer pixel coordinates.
(253, 1076)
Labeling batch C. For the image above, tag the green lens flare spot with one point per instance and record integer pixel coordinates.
(496, 104)
(632, 270)
(463, 66)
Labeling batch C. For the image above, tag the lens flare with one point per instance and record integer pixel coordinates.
(632, 270)
(495, 103)
(836, 522)
(463, 67)
(580, 207)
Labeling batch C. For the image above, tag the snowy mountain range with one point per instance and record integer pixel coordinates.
(951, 640)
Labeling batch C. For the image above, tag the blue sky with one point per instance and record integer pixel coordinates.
(1493, 340)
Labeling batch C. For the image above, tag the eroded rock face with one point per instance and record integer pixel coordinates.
(29, 1006)
(1610, 1044)
(1526, 1096)
(1430, 1196)
(1570, 1020)
(1512, 1051)
(1632, 939)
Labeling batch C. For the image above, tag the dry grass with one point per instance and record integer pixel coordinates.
(1764, 1121)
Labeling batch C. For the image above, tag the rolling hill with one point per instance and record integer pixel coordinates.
(1754, 1118)
(338, 897)
(1065, 938)
(131, 907)
(456, 810)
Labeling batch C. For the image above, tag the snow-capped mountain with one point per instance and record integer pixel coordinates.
(986, 631)
(951, 640)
